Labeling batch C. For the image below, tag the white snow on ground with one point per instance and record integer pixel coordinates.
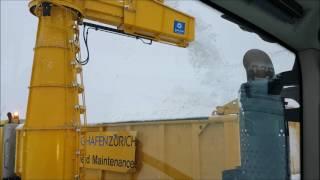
(127, 80)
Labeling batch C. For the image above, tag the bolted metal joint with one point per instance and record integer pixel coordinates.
(80, 108)
(79, 87)
(46, 8)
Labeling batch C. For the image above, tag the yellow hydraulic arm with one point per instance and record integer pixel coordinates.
(49, 147)
(146, 18)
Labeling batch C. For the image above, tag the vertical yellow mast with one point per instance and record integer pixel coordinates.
(51, 132)
(53, 112)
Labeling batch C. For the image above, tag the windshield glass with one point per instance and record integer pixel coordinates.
(231, 101)
(128, 80)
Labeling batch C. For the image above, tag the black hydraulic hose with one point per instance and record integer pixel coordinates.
(105, 29)
(85, 39)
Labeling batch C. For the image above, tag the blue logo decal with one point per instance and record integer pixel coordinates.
(179, 27)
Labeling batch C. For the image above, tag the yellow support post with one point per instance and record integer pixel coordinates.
(51, 132)
(50, 136)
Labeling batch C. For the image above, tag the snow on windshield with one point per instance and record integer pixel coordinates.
(128, 80)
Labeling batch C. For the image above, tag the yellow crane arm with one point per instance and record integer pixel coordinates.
(146, 18)
(51, 133)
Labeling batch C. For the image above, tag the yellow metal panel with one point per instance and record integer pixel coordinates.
(105, 11)
(149, 15)
(148, 18)
(153, 19)
(212, 149)
(3, 122)
(1, 151)
(169, 16)
(232, 152)
(182, 149)
(294, 139)
(51, 104)
(19, 151)
(109, 150)
(58, 161)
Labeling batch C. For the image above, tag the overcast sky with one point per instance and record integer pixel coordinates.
(128, 80)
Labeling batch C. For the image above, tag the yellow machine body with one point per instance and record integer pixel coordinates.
(179, 149)
(147, 18)
(48, 144)
(199, 148)
(49, 131)
(173, 149)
